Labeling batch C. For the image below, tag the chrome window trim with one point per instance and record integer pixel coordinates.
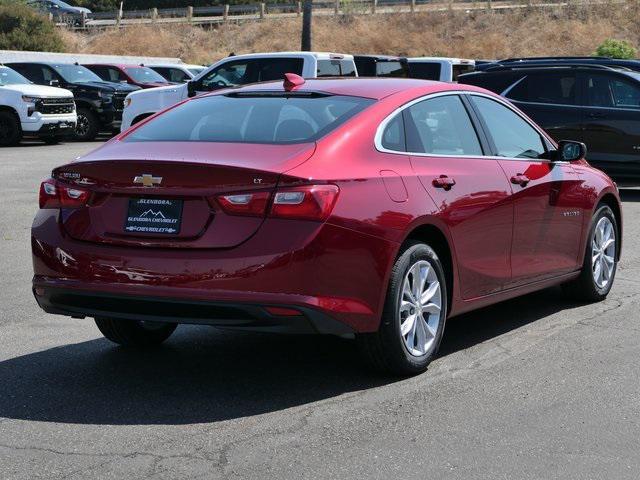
(383, 125)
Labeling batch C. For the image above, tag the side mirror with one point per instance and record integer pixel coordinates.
(191, 88)
(570, 151)
(54, 83)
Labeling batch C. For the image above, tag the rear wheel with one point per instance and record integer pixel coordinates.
(87, 126)
(133, 333)
(10, 130)
(414, 314)
(600, 259)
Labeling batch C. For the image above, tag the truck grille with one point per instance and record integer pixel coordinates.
(118, 100)
(55, 106)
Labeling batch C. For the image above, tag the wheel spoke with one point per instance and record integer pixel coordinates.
(608, 243)
(430, 292)
(432, 309)
(407, 325)
(432, 329)
(421, 336)
(406, 292)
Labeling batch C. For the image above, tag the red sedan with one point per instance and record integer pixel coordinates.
(367, 208)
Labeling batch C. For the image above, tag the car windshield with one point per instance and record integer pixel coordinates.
(265, 118)
(76, 73)
(11, 77)
(144, 75)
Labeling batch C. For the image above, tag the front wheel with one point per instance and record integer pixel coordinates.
(600, 260)
(10, 130)
(87, 126)
(414, 314)
(132, 333)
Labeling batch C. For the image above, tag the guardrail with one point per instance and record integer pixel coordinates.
(225, 13)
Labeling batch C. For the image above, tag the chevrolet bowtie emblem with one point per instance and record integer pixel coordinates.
(147, 180)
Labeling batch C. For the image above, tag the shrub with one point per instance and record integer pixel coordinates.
(22, 28)
(616, 49)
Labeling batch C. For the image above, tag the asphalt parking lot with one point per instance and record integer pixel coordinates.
(535, 388)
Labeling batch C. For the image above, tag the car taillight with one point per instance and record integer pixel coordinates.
(252, 204)
(309, 202)
(312, 202)
(54, 194)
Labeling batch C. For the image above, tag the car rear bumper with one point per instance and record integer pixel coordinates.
(321, 270)
(275, 318)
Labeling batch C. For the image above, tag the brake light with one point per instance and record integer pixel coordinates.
(252, 204)
(309, 202)
(54, 194)
(312, 202)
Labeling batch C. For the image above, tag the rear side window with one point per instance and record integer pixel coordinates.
(512, 135)
(241, 72)
(336, 68)
(441, 126)
(393, 137)
(551, 88)
(265, 118)
(390, 69)
(426, 71)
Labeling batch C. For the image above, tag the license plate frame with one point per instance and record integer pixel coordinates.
(154, 216)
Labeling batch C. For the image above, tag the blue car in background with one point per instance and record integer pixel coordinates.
(58, 8)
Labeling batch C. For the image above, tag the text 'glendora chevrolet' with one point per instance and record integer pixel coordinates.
(367, 208)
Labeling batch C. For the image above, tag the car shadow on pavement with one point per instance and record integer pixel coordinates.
(205, 375)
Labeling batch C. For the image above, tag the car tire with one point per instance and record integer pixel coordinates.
(599, 263)
(10, 130)
(132, 333)
(87, 126)
(402, 346)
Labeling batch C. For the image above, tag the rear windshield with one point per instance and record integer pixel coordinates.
(144, 74)
(265, 118)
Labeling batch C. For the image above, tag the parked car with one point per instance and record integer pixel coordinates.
(99, 104)
(374, 208)
(439, 68)
(381, 66)
(58, 8)
(137, 75)
(546, 61)
(178, 72)
(594, 104)
(33, 110)
(238, 70)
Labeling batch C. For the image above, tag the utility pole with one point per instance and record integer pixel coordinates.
(306, 25)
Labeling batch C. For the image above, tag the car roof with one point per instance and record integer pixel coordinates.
(559, 61)
(455, 61)
(318, 55)
(116, 65)
(375, 88)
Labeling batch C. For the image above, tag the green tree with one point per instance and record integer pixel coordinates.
(22, 28)
(616, 49)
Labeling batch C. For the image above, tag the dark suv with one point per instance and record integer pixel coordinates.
(591, 103)
(99, 104)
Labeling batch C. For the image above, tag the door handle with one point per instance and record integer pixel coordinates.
(596, 115)
(443, 182)
(520, 179)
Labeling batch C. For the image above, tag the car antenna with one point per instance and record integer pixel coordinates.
(291, 81)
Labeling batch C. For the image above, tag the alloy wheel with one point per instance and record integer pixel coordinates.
(82, 127)
(603, 250)
(420, 308)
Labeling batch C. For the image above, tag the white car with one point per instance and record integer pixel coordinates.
(27, 109)
(237, 70)
(439, 68)
(177, 72)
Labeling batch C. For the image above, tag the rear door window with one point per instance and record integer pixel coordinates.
(441, 126)
(598, 91)
(550, 88)
(611, 91)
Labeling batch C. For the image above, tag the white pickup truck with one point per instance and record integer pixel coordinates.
(442, 69)
(237, 70)
(27, 109)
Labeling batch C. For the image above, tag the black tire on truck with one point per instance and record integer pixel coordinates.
(10, 129)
